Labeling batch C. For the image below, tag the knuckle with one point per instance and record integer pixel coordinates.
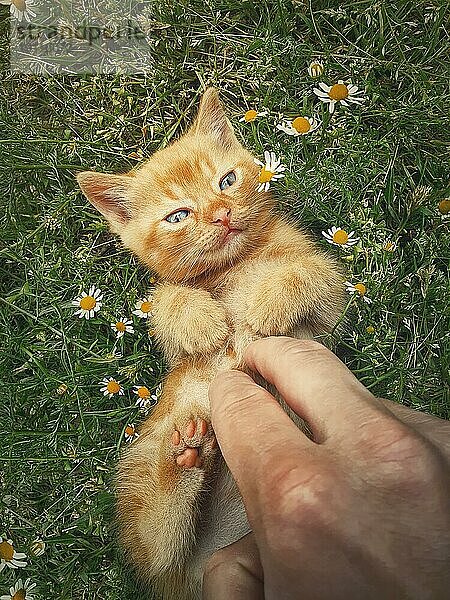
(391, 440)
(223, 566)
(287, 351)
(303, 498)
(235, 384)
(282, 344)
(217, 563)
(405, 460)
(232, 392)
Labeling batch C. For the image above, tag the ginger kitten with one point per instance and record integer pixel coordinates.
(232, 271)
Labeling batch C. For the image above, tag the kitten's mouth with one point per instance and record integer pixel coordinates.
(231, 233)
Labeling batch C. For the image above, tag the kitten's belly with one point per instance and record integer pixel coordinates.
(224, 520)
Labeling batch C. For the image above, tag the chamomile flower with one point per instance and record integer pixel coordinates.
(299, 126)
(315, 68)
(144, 308)
(339, 92)
(251, 115)
(88, 303)
(137, 155)
(271, 170)
(110, 387)
(122, 326)
(144, 397)
(20, 9)
(37, 547)
(389, 246)
(358, 288)
(339, 237)
(444, 206)
(130, 434)
(9, 557)
(20, 591)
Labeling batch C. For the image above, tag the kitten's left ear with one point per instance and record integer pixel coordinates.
(109, 194)
(211, 119)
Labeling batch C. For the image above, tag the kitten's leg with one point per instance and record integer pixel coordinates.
(188, 321)
(305, 294)
(160, 481)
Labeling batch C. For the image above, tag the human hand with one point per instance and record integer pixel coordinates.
(360, 512)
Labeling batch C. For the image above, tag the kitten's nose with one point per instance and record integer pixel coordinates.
(222, 216)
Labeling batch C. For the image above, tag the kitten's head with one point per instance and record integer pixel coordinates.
(191, 207)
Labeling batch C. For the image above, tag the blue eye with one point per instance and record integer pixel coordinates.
(177, 216)
(227, 180)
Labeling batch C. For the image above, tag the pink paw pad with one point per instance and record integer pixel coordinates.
(190, 442)
(188, 458)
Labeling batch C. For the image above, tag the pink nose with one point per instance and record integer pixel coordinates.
(222, 216)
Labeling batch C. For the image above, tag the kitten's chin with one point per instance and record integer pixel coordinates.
(231, 235)
(230, 247)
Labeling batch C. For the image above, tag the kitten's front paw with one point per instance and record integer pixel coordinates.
(188, 320)
(277, 304)
(204, 333)
(194, 443)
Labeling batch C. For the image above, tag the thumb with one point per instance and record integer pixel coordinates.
(234, 572)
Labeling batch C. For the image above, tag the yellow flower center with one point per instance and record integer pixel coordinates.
(146, 307)
(250, 115)
(338, 92)
(316, 69)
(360, 288)
(143, 392)
(88, 303)
(301, 125)
(370, 329)
(6, 551)
(129, 430)
(20, 5)
(120, 326)
(389, 247)
(265, 175)
(19, 595)
(444, 206)
(340, 237)
(113, 387)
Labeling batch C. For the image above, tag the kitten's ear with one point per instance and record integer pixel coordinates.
(108, 193)
(211, 119)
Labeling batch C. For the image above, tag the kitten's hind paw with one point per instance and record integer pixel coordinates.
(193, 443)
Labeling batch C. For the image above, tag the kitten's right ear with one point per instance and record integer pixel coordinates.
(211, 119)
(108, 193)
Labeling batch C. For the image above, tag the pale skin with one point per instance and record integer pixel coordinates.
(360, 512)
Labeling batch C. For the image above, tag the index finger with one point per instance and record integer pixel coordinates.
(255, 435)
(315, 384)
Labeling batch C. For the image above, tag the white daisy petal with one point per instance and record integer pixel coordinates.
(322, 95)
(355, 100)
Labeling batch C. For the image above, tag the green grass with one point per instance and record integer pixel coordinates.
(380, 169)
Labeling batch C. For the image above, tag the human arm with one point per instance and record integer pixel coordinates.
(361, 511)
